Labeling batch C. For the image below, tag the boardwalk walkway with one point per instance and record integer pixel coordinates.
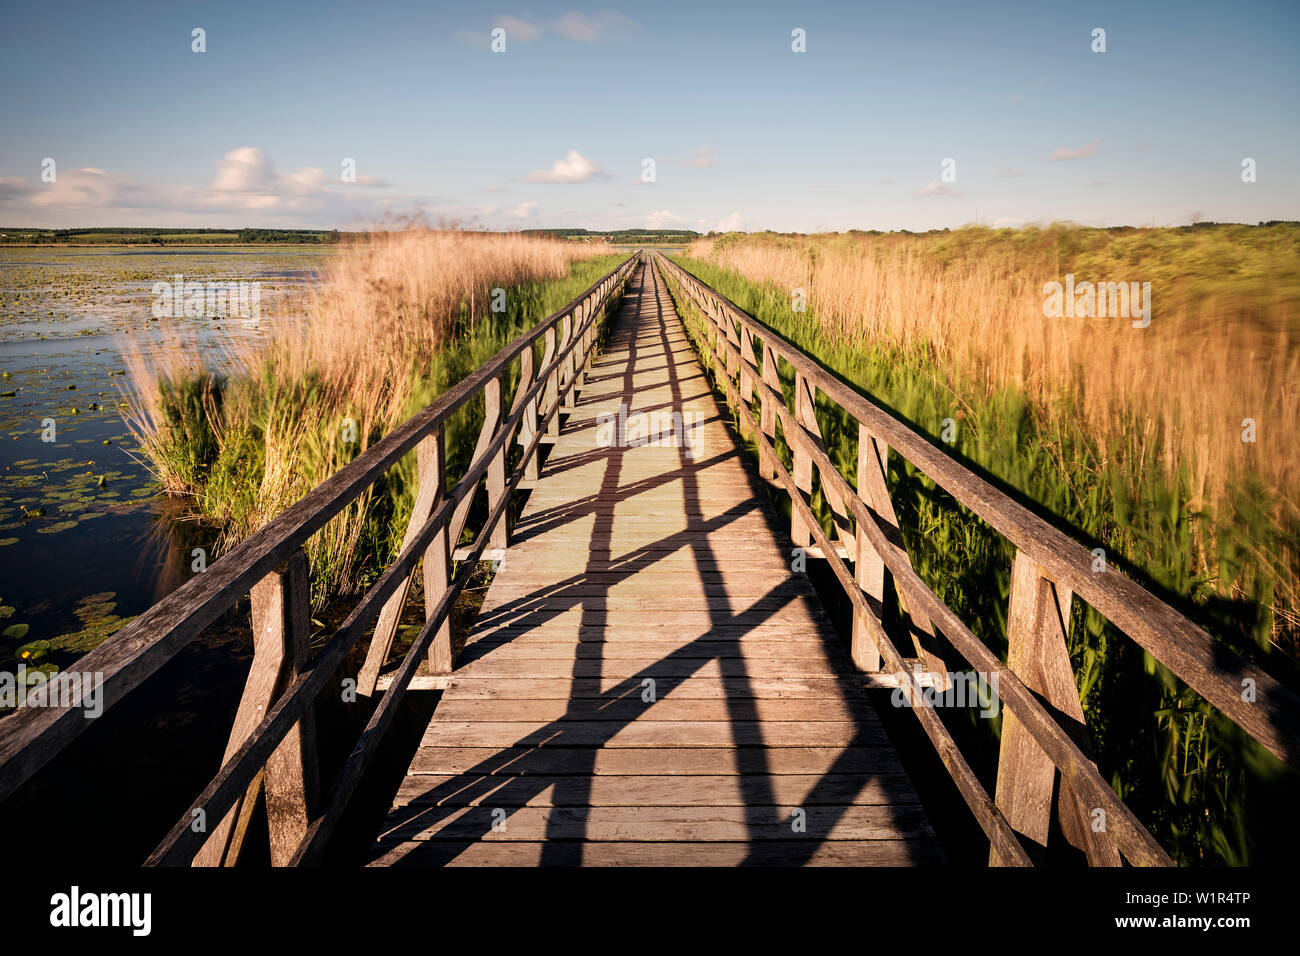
(648, 682)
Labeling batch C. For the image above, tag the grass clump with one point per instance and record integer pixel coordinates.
(398, 318)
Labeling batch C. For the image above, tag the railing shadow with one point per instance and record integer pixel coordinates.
(476, 795)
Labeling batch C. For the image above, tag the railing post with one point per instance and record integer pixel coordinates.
(281, 614)
(437, 556)
(1038, 624)
(566, 367)
(767, 411)
(869, 567)
(551, 394)
(499, 534)
(291, 777)
(800, 533)
(873, 489)
(528, 425)
(428, 495)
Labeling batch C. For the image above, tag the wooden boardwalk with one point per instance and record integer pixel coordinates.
(648, 682)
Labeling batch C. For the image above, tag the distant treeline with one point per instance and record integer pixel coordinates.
(639, 235)
(163, 237)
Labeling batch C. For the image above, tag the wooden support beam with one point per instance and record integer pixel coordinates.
(874, 492)
(498, 535)
(1037, 630)
(551, 394)
(767, 411)
(428, 496)
(869, 569)
(800, 534)
(281, 614)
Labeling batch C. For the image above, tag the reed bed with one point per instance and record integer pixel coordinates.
(1129, 438)
(1222, 347)
(397, 318)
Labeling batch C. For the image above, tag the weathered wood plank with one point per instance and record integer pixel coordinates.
(633, 761)
(625, 854)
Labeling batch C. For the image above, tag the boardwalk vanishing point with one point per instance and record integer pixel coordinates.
(648, 682)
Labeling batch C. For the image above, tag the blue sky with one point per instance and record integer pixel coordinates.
(744, 132)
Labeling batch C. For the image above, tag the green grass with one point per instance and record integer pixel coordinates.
(1206, 791)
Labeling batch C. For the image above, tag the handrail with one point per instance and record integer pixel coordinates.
(1049, 569)
(31, 737)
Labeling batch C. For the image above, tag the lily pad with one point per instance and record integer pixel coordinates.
(57, 527)
(32, 651)
(15, 632)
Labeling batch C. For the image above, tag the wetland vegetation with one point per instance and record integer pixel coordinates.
(1129, 438)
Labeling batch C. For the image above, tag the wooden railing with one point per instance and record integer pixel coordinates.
(1036, 683)
(271, 746)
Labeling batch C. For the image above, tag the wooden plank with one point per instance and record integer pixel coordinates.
(657, 668)
(626, 854)
(689, 688)
(650, 733)
(640, 761)
(643, 650)
(665, 824)
(631, 708)
(460, 790)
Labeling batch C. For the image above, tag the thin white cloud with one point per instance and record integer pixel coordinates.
(704, 156)
(573, 168)
(1083, 152)
(519, 30)
(525, 210)
(936, 188)
(582, 28)
(1009, 172)
(663, 218)
(732, 223)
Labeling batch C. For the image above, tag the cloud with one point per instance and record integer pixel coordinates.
(1096, 182)
(704, 156)
(245, 182)
(11, 187)
(525, 210)
(573, 168)
(1009, 172)
(578, 27)
(91, 187)
(521, 31)
(591, 29)
(1018, 98)
(662, 219)
(936, 188)
(1082, 152)
(1007, 221)
(732, 223)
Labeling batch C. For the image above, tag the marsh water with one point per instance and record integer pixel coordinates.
(86, 542)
